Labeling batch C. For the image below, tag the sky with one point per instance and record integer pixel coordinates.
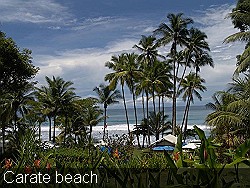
(74, 38)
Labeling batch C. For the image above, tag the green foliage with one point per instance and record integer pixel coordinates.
(16, 67)
(241, 20)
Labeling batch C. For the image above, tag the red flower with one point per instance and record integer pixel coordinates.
(116, 153)
(176, 156)
(8, 163)
(48, 166)
(37, 163)
(205, 154)
(28, 170)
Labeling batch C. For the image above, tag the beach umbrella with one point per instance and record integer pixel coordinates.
(162, 148)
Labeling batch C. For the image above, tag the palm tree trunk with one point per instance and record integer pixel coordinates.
(159, 103)
(49, 128)
(90, 133)
(136, 121)
(143, 140)
(183, 74)
(134, 101)
(65, 129)
(105, 121)
(173, 51)
(153, 95)
(147, 98)
(157, 135)
(125, 107)
(174, 104)
(186, 122)
(3, 132)
(15, 121)
(184, 116)
(39, 132)
(163, 109)
(54, 133)
(143, 105)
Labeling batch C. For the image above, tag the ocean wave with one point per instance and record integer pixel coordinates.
(124, 127)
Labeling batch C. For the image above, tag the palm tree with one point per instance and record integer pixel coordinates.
(14, 107)
(45, 104)
(133, 75)
(196, 52)
(91, 114)
(59, 93)
(158, 124)
(6, 116)
(106, 97)
(241, 19)
(124, 71)
(176, 32)
(223, 119)
(190, 85)
(148, 48)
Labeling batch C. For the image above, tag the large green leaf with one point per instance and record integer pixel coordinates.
(173, 168)
(243, 149)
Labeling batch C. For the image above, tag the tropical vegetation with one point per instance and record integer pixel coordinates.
(149, 78)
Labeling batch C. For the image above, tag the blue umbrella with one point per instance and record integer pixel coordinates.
(162, 148)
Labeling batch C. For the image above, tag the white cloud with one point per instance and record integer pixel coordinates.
(98, 21)
(217, 28)
(33, 11)
(85, 67)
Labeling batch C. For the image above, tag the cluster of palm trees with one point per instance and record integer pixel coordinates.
(152, 76)
(55, 103)
(230, 118)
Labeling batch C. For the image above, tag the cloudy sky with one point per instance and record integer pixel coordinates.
(74, 38)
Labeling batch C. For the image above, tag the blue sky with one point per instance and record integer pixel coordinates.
(74, 38)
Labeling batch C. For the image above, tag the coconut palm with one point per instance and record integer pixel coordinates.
(196, 52)
(45, 104)
(106, 96)
(158, 124)
(224, 120)
(231, 112)
(241, 19)
(91, 113)
(55, 97)
(190, 86)
(148, 48)
(125, 71)
(133, 75)
(176, 34)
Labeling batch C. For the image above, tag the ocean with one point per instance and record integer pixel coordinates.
(116, 121)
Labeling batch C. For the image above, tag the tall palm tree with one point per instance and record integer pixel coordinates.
(106, 96)
(148, 48)
(190, 86)
(123, 68)
(176, 34)
(196, 51)
(133, 75)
